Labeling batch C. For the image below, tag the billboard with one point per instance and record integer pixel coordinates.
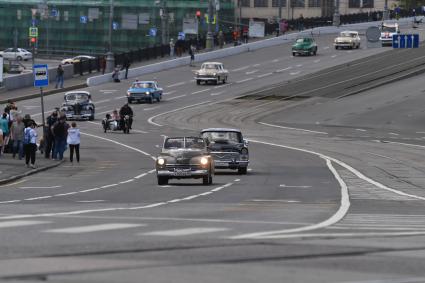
(190, 26)
(256, 29)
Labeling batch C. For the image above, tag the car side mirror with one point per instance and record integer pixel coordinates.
(245, 142)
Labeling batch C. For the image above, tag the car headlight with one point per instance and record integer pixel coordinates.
(244, 151)
(160, 161)
(204, 161)
(214, 74)
(148, 92)
(128, 93)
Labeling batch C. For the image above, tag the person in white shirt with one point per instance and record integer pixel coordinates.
(73, 141)
(30, 144)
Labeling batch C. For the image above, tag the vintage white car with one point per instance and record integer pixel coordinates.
(347, 39)
(211, 72)
(387, 32)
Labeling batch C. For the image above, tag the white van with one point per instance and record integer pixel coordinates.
(387, 32)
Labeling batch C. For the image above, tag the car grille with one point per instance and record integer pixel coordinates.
(226, 155)
(171, 167)
(205, 76)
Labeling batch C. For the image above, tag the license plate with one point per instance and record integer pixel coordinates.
(182, 173)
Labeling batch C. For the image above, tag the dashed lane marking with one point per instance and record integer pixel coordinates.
(169, 92)
(264, 75)
(245, 80)
(199, 91)
(217, 93)
(298, 187)
(294, 73)
(176, 84)
(150, 120)
(90, 201)
(256, 65)
(184, 232)
(94, 228)
(361, 130)
(252, 72)
(333, 56)
(289, 128)
(275, 60)
(51, 187)
(240, 69)
(176, 97)
(284, 69)
(19, 223)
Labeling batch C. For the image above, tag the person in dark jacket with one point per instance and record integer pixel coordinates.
(60, 132)
(59, 76)
(49, 143)
(126, 65)
(126, 110)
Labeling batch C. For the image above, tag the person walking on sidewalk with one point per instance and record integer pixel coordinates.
(172, 46)
(30, 144)
(17, 134)
(49, 143)
(192, 55)
(60, 132)
(73, 141)
(4, 126)
(126, 65)
(59, 76)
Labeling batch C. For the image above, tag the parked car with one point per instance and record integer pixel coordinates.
(77, 105)
(304, 46)
(146, 91)
(77, 59)
(16, 54)
(387, 32)
(347, 39)
(228, 148)
(183, 158)
(211, 72)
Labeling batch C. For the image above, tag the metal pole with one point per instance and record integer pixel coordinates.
(164, 22)
(110, 60)
(280, 16)
(336, 18)
(42, 117)
(209, 42)
(385, 15)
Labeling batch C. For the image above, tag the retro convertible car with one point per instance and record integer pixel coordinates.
(228, 148)
(211, 72)
(77, 105)
(304, 46)
(183, 158)
(146, 91)
(347, 39)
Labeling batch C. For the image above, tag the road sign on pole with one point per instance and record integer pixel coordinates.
(33, 32)
(41, 75)
(406, 41)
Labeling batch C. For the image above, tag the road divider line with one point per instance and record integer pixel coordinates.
(150, 120)
(294, 73)
(245, 80)
(200, 91)
(252, 72)
(284, 69)
(184, 232)
(223, 85)
(19, 223)
(289, 128)
(217, 93)
(176, 84)
(94, 228)
(240, 69)
(175, 97)
(264, 75)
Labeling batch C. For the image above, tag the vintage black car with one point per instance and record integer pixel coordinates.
(78, 106)
(183, 158)
(228, 148)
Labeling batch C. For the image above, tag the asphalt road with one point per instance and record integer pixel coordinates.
(334, 192)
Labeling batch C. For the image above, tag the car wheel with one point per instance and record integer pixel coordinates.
(91, 117)
(207, 180)
(129, 101)
(198, 82)
(162, 181)
(315, 52)
(151, 100)
(294, 54)
(358, 46)
(19, 58)
(158, 99)
(224, 80)
(242, 170)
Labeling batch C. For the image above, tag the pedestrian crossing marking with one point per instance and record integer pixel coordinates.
(94, 228)
(184, 232)
(18, 223)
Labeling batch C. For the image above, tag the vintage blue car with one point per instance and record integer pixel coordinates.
(146, 91)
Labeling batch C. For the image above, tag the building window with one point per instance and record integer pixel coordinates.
(314, 3)
(261, 3)
(275, 3)
(298, 3)
(368, 3)
(246, 3)
(354, 4)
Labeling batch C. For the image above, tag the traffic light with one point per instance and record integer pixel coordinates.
(198, 15)
(33, 39)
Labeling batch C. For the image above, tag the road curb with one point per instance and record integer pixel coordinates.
(34, 171)
(48, 92)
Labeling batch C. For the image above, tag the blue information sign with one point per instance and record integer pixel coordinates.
(41, 75)
(115, 26)
(83, 19)
(406, 41)
(152, 32)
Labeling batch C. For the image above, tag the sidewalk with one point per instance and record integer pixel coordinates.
(14, 169)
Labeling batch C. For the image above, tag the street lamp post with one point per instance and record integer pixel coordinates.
(164, 22)
(209, 41)
(336, 18)
(110, 60)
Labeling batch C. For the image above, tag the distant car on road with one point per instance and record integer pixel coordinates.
(347, 39)
(184, 158)
(211, 72)
(228, 148)
(146, 91)
(387, 32)
(16, 54)
(77, 105)
(304, 46)
(77, 59)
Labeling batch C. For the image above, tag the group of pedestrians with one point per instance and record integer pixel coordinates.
(19, 135)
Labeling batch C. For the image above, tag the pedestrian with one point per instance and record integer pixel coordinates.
(1, 141)
(59, 76)
(126, 65)
(116, 75)
(245, 34)
(220, 39)
(103, 64)
(192, 54)
(30, 144)
(4, 126)
(73, 141)
(301, 23)
(60, 132)
(49, 143)
(172, 46)
(17, 135)
(27, 120)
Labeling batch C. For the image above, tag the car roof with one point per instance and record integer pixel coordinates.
(216, 63)
(350, 31)
(392, 25)
(77, 91)
(145, 82)
(220, 130)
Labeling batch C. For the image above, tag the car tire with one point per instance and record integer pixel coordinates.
(129, 101)
(19, 58)
(151, 100)
(315, 52)
(162, 181)
(158, 99)
(294, 54)
(224, 80)
(242, 170)
(207, 180)
(198, 82)
(91, 117)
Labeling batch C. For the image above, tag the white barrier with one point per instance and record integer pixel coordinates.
(220, 53)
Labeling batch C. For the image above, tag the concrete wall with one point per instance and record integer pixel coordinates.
(25, 80)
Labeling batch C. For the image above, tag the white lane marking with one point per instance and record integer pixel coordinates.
(169, 92)
(94, 228)
(326, 47)
(217, 93)
(240, 69)
(37, 198)
(256, 65)
(406, 144)
(144, 174)
(176, 97)
(120, 97)
(299, 65)
(393, 134)
(102, 101)
(174, 200)
(361, 130)
(151, 108)
(420, 132)
(18, 223)
(252, 72)
(90, 201)
(140, 131)
(245, 80)
(199, 91)
(128, 181)
(237, 180)
(299, 187)
(51, 187)
(108, 186)
(333, 56)
(150, 120)
(184, 232)
(316, 61)
(206, 193)
(274, 200)
(346, 235)
(264, 75)
(176, 84)
(10, 201)
(223, 85)
(275, 60)
(284, 69)
(294, 73)
(66, 194)
(288, 128)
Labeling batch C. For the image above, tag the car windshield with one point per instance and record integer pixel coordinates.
(210, 66)
(77, 96)
(143, 85)
(223, 137)
(188, 142)
(302, 40)
(348, 34)
(388, 29)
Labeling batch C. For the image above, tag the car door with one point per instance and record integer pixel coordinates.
(9, 54)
